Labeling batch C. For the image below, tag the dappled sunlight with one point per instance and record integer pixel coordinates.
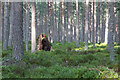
(65, 60)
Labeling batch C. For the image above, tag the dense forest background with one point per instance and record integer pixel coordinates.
(85, 38)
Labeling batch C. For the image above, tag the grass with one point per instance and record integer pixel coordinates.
(64, 62)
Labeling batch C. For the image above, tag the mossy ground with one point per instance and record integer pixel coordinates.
(63, 62)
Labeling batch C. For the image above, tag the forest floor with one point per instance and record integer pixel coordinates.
(66, 61)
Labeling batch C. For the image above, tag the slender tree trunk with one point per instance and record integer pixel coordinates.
(18, 46)
(55, 25)
(38, 27)
(74, 25)
(83, 23)
(93, 25)
(69, 23)
(48, 30)
(72, 17)
(6, 26)
(52, 21)
(42, 17)
(111, 29)
(45, 12)
(103, 26)
(27, 24)
(11, 25)
(115, 36)
(77, 24)
(59, 23)
(95, 20)
(24, 25)
(33, 29)
(86, 25)
(90, 26)
(106, 29)
(2, 24)
(63, 22)
(98, 22)
(119, 26)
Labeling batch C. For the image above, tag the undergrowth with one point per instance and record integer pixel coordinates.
(66, 61)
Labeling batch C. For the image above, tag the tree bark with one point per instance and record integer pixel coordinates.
(38, 27)
(106, 29)
(90, 26)
(59, 23)
(119, 26)
(6, 26)
(48, 30)
(2, 24)
(98, 22)
(18, 46)
(111, 29)
(33, 29)
(69, 23)
(11, 25)
(77, 24)
(83, 23)
(55, 24)
(27, 24)
(63, 22)
(93, 25)
(86, 25)
(94, 19)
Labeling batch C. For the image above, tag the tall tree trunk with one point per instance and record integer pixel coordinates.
(42, 17)
(77, 24)
(72, 17)
(115, 36)
(106, 29)
(86, 25)
(74, 25)
(38, 27)
(48, 30)
(119, 26)
(33, 29)
(45, 12)
(83, 22)
(18, 46)
(111, 29)
(103, 26)
(98, 22)
(52, 21)
(63, 22)
(93, 25)
(95, 20)
(69, 23)
(27, 24)
(11, 25)
(59, 23)
(55, 24)
(2, 24)
(90, 26)
(6, 26)
(66, 21)
(24, 24)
